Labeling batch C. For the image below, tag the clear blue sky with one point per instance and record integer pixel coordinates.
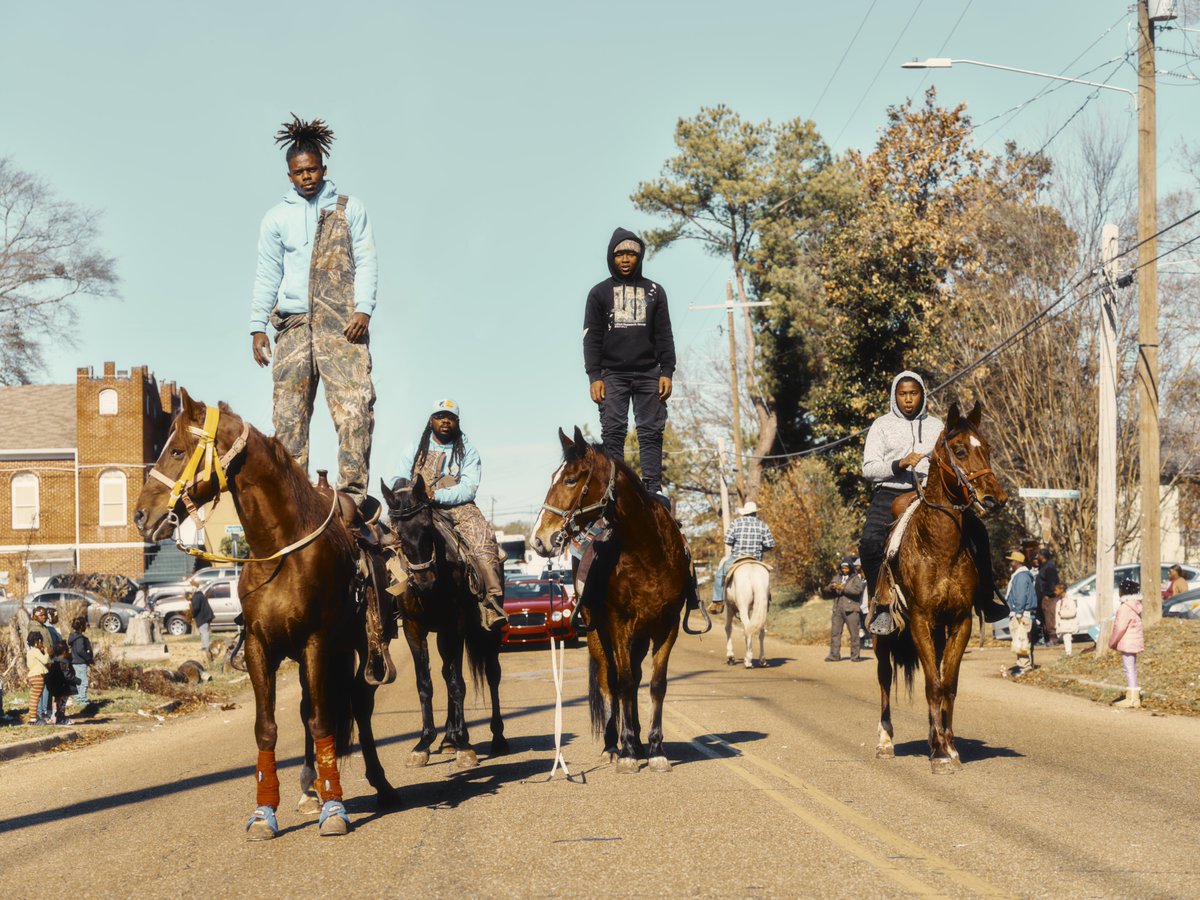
(495, 147)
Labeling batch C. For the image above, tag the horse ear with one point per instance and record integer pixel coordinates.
(388, 497)
(976, 414)
(567, 445)
(952, 417)
(190, 407)
(418, 487)
(580, 440)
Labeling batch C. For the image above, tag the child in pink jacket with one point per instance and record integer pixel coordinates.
(1129, 638)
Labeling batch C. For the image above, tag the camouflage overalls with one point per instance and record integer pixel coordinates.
(312, 347)
(469, 523)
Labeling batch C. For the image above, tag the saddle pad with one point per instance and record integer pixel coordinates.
(896, 535)
(743, 561)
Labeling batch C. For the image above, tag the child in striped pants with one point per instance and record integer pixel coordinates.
(38, 663)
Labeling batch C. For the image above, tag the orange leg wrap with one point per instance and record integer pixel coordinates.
(268, 779)
(329, 784)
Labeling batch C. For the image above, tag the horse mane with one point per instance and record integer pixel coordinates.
(621, 466)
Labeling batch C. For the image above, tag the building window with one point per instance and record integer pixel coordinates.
(25, 501)
(108, 402)
(112, 498)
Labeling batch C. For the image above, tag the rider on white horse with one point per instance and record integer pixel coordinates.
(748, 536)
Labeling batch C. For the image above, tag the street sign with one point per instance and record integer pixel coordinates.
(1047, 494)
(234, 529)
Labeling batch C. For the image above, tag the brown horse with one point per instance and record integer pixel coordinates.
(933, 578)
(299, 597)
(439, 598)
(645, 577)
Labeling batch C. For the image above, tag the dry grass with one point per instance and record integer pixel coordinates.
(1169, 671)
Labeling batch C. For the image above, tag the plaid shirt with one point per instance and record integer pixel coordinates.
(749, 536)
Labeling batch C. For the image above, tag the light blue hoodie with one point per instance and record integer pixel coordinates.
(468, 472)
(285, 255)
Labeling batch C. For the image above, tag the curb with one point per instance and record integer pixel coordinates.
(35, 745)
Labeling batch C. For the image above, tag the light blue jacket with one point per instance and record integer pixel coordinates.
(285, 255)
(468, 472)
(1021, 596)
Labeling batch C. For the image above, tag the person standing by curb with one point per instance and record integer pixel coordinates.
(38, 664)
(81, 656)
(1022, 603)
(202, 615)
(847, 589)
(1129, 639)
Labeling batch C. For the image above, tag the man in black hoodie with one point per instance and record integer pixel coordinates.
(629, 355)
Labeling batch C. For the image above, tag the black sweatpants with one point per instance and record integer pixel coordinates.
(649, 414)
(874, 534)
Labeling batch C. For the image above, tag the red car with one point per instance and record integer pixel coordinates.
(537, 611)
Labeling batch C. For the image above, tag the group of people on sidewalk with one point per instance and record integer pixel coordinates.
(57, 670)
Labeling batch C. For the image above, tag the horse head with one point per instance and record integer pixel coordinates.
(190, 470)
(964, 459)
(576, 496)
(410, 513)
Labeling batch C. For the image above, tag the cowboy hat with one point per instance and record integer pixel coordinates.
(749, 509)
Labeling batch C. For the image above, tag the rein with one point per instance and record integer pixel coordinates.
(571, 517)
(192, 476)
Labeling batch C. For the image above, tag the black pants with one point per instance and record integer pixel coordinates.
(649, 414)
(875, 533)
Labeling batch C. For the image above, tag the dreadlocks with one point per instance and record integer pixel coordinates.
(457, 451)
(305, 137)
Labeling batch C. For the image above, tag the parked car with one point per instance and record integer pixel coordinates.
(222, 597)
(1183, 606)
(210, 574)
(120, 588)
(111, 617)
(537, 611)
(1085, 594)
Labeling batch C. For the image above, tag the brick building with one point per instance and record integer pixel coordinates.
(73, 458)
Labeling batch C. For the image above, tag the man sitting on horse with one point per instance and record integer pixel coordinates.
(749, 537)
(451, 467)
(895, 456)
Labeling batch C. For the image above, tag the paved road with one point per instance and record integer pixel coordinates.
(775, 792)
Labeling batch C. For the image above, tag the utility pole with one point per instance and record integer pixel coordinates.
(725, 517)
(1106, 464)
(733, 386)
(1147, 360)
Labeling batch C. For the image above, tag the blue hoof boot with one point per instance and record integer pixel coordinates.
(334, 820)
(262, 825)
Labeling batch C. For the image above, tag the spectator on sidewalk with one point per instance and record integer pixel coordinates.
(1179, 584)
(37, 663)
(864, 636)
(81, 655)
(1129, 639)
(202, 615)
(1044, 582)
(38, 625)
(61, 682)
(847, 590)
(1022, 603)
(1066, 615)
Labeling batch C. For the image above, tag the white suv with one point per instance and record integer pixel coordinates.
(1084, 590)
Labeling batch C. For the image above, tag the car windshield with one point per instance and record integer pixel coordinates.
(528, 590)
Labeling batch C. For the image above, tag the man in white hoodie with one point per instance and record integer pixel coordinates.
(895, 455)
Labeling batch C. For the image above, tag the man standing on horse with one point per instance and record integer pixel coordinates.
(629, 356)
(895, 457)
(748, 537)
(451, 469)
(315, 282)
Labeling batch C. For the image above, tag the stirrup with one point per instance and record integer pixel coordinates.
(883, 623)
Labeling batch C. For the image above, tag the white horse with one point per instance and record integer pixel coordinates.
(750, 590)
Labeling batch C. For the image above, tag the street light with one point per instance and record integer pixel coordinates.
(943, 62)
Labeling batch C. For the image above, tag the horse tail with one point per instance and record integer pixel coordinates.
(342, 683)
(481, 645)
(903, 650)
(596, 704)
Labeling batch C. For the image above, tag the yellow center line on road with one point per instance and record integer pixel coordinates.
(902, 846)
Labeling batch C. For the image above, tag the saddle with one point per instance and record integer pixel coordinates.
(743, 561)
(361, 518)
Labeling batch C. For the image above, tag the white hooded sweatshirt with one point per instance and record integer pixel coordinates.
(893, 436)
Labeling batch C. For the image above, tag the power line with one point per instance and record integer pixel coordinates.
(886, 58)
(845, 53)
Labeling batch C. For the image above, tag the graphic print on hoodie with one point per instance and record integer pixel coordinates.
(626, 323)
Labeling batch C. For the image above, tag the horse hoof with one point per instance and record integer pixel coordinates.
(943, 765)
(310, 804)
(259, 831)
(659, 764)
(627, 765)
(731, 661)
(262, 825)
(418, 758)
(499, 747)
(466, 759)
(609, 756)
(762, 663)
(334, 821)
(885, 752)
(749, 664)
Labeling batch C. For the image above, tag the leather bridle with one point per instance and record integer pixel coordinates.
(963, 481)
(404, 515)
(570, 517)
